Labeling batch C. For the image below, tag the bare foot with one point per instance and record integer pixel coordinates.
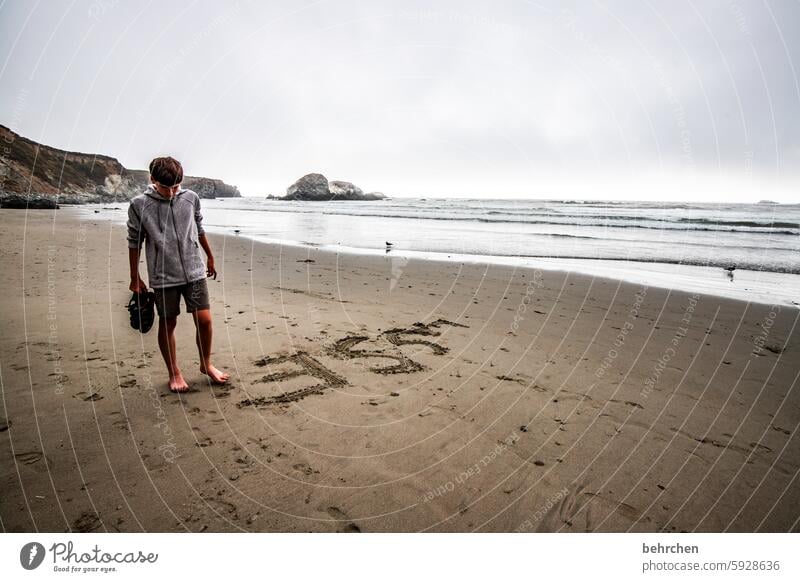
(217, 376)
(178, 384)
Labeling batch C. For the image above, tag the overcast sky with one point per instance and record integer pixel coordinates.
(621, 100)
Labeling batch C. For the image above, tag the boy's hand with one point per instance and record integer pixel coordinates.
(137, 285)
(210, 270)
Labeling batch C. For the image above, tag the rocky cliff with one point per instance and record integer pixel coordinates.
(28, 167)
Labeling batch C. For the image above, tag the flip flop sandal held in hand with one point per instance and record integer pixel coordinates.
(142, 309)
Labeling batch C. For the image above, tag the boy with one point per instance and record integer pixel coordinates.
(169, 219)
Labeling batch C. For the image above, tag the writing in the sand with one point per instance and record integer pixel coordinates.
(306, 364)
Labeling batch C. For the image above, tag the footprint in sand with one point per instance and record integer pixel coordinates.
(583, 511)
(38, 461)
(29, 458)
(755, 451)
(202, 439)
(88, 396)
(86, 523)
(214, 504)
(304, 468)
(121, 422)
(221, 391)
(222, 506)
(628, 403)
(339, 515)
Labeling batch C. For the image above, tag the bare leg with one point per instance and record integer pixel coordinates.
(202, 321)
(166, 341)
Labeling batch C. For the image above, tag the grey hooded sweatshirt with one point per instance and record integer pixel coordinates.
(171, 227)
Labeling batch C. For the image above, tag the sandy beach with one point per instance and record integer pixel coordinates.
(377, 394)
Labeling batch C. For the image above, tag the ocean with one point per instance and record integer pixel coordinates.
(745, 251)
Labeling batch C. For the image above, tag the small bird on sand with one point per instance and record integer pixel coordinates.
(388, 244)
(730, 270)
(236, 230)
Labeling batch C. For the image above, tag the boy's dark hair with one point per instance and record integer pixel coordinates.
(166, 171)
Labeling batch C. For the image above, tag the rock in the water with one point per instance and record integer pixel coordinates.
(344, 190)
(317, 187)
(31, 202)
(309, 187)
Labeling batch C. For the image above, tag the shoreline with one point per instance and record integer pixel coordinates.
(762, 287)
(659, 275)
(372, 394)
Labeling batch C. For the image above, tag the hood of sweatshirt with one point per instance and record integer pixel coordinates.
(153, 193)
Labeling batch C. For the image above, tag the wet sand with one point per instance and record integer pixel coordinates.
(380, 394)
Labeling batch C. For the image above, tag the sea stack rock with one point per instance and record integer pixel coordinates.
(345, 190)
(309, 187)
(316, 187)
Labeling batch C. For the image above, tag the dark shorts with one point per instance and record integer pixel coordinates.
(195, 295)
